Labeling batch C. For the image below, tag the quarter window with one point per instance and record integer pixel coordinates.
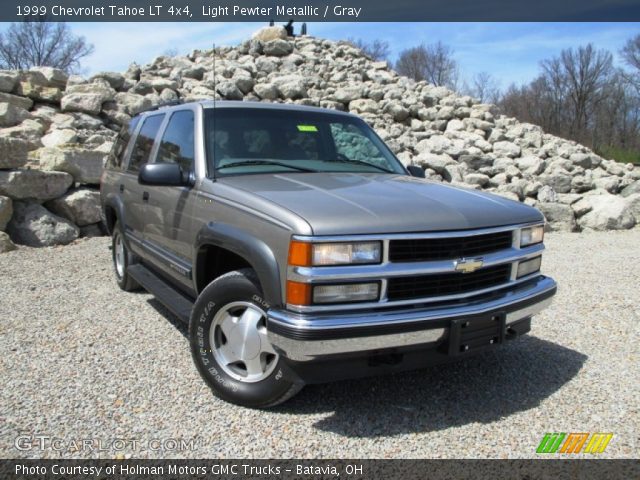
(144, 142)
(177, 141)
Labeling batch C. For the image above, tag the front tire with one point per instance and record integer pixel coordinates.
(122, 258)
(229, 343)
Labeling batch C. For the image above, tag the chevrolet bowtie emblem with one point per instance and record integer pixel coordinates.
(468, 265)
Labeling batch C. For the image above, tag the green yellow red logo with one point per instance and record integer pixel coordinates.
(574, 443)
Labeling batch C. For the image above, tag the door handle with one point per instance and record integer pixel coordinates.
(121, 188)
(145, 196)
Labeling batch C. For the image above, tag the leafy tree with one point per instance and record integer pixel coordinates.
(43, 44)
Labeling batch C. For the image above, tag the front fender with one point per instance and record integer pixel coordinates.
(252, 249)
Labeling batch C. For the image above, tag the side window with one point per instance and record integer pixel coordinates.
(352, 144)
(116, 156)
(144, 142)
(176, 145)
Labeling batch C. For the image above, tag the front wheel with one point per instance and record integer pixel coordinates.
(229, 343)
(122, 258)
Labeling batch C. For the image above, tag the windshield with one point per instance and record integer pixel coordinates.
(254, 140)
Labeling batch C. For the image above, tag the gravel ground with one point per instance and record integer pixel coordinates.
(81, 359)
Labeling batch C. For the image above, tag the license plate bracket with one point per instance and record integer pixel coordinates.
(472, 334)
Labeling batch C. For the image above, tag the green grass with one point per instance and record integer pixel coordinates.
(621, 155)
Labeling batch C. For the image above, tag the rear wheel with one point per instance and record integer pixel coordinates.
(230, 346)
(121, 260)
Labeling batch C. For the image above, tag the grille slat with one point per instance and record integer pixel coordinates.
(406, 288)
(433, 249)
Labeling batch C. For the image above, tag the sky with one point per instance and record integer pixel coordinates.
(511, 52)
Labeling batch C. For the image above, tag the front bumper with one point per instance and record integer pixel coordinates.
(308, 337)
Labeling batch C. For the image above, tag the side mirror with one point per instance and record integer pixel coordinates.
(416, 171)
(163, 175)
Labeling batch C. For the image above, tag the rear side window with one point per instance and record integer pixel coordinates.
(116, 156)
(144, 142)
(176, 145)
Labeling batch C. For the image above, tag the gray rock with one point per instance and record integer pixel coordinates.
(559, 216)
(477, 179)
(531, 165)
(397, 111)
(8, 80)
(277, 48)
(13, 152)
(610, 184)
(581, 207)
(266, 91)
(6, 245)
(54, 77)
(85, 165)
(436, 162)
(114, 79)
(34, 184)
(506, 149)
(81, 206)
(228, 90)
(132, 102)
(476, 162)
(291, 86)
(546, 194)
(559, 180)
(633, 204)
(348, 93)
(34, 226)
(608, 212)
(267, 34)
(11, 115)
(17, 101)
(87, 98)
(91, 231)
(59, 137)
(35, 85)
(631, 189)
(6, 211)
(585, 160)
(363, 105)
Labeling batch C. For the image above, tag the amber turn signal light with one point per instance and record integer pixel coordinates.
(298, 293)
(300, 254)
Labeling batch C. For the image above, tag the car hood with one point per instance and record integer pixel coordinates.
(347, 203)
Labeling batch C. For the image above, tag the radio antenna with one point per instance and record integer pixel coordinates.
(215, 85)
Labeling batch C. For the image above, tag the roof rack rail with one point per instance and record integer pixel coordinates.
(169, 103)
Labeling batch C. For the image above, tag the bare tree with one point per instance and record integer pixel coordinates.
(41, 43)
(433, 63)
(484, 87)
(377, 49)
(631, 52)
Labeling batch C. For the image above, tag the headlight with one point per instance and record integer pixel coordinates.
(531, 235)
(325, 254)
(350, 292)
(529, 266)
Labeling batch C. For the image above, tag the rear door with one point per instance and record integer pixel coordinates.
(135, 204)
(169, 218)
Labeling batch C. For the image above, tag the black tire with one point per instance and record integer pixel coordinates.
(125, 282)
(216, 300)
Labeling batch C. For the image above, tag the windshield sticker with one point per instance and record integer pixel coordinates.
(307, 128)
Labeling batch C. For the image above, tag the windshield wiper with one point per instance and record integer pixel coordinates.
(360, 162)
(266, 162)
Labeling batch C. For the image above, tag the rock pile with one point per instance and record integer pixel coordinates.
(57, 131)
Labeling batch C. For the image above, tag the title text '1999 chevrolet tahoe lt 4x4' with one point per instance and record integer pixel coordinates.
(299, 249)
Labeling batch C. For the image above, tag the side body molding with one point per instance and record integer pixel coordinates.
(252, 249)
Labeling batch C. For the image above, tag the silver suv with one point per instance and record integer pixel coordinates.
(299, 249)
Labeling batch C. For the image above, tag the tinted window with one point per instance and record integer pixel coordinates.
(144, 142)
(248, 140)
(116, 156)
(177, 141)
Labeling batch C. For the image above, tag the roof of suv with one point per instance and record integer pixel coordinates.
(241, 104)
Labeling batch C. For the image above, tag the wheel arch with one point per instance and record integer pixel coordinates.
(230, 248)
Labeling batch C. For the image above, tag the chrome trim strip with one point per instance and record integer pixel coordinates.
(305, 350)
(411, 235)
(318, 348)
(412, 301)
(408, 269)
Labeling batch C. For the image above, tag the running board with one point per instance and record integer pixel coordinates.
(176, 302)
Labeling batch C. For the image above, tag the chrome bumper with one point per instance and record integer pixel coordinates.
(305, 337)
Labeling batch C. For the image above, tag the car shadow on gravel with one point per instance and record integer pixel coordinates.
(480, 389)
(179, 325)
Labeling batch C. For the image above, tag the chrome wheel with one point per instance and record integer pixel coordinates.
(118, 255)
(239, 343)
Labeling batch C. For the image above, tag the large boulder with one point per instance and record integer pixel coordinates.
(85, 165)
(11, 115)
(87, 98)
(560, 217)
(58, 137)
(34, 184)
(277, 48)
(17, 101)
(633, 204)
(291, 86)
(81, 206)
(132, 102)
(8, 80)
(6, 211)
(608, 212)
(267, 34)
(35, 226)
(13, 152)
(35, 85)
